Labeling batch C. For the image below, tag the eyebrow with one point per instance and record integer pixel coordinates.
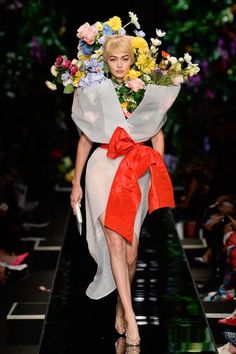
(123, 56)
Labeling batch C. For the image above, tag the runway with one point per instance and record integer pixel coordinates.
(169, 313)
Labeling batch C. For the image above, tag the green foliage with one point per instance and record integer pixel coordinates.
(30, 34)
(207, 31)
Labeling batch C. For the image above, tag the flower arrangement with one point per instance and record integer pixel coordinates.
(150, 65)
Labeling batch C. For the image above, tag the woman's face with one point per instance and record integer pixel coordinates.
(119, 64)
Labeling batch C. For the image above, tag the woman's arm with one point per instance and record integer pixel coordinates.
(158, 142)
(83, 150)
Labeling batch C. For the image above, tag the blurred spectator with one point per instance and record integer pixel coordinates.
(230, 346)
(192, 203)
(217, 230)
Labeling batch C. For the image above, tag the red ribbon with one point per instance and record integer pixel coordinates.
(125, 194)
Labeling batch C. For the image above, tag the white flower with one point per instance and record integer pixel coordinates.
(188, 58)
(181, 60)
(67, 82)
(193, 69)
(53, 70)
(51, 85)
(139, 33)
(173, 60)
(134, 19)
(177, 80)
(155, 41)
(122, 31)
(146, 78)
(74, 62)
(160, 33)
(153, 49)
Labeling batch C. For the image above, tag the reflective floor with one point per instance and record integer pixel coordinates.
(169, 312)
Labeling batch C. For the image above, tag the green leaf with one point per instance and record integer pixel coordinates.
(69, 89)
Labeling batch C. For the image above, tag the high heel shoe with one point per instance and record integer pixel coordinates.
(120, 323)
(20, 258)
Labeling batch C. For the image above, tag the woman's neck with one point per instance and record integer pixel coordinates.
(117, 80)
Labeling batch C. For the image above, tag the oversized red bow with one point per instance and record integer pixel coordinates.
(125, 194)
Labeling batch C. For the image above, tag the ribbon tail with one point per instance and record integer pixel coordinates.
(123, 202)
(160, 194)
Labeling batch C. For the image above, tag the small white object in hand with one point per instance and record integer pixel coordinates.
(79, 217)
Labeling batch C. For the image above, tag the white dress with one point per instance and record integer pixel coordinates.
(96, 111)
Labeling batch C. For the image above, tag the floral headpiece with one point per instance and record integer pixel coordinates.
(149, 67)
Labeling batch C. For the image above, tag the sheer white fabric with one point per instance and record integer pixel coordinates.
(97, 112)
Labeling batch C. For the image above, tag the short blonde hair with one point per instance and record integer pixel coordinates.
(118, 42)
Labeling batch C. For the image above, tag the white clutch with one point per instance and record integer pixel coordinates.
(79, 217)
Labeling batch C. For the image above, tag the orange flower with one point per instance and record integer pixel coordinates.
(165, 54)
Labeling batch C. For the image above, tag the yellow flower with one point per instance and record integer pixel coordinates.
(139, 43)
(124, 105)
(115, 23)
(98, 26)
(145, 63)
(77, 78)
(141, 59)
(176, 67)
(132, 74)
(149, 65)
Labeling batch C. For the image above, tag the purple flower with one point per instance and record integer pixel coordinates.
(36, 50)
(92, 79)
(233, 47)
(107, 30)
(85, 48)
(204, 67)
(194, 82)
(139, 33)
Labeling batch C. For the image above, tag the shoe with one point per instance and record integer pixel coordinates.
(224, 349)
(230, 321)
(18, 267)
(20, 258)
(120, 326)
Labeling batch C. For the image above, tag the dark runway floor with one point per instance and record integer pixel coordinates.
(168, 309)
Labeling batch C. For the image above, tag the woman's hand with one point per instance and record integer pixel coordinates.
(76, 196)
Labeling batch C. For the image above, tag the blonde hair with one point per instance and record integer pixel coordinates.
(121, 43)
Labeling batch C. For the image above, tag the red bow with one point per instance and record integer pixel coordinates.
(125, 194)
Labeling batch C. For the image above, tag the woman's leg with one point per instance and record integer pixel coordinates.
(120, 254)
(131, 257)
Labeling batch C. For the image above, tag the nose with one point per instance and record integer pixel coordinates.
(119, 63)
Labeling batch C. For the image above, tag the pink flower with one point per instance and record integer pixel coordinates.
(126, 113)
(135, 84)
(66, 64)
(58, 61)
(73, 70)
(177, 80)
(87, 33)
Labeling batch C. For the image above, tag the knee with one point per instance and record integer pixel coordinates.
(132, 260)
(115, 242)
